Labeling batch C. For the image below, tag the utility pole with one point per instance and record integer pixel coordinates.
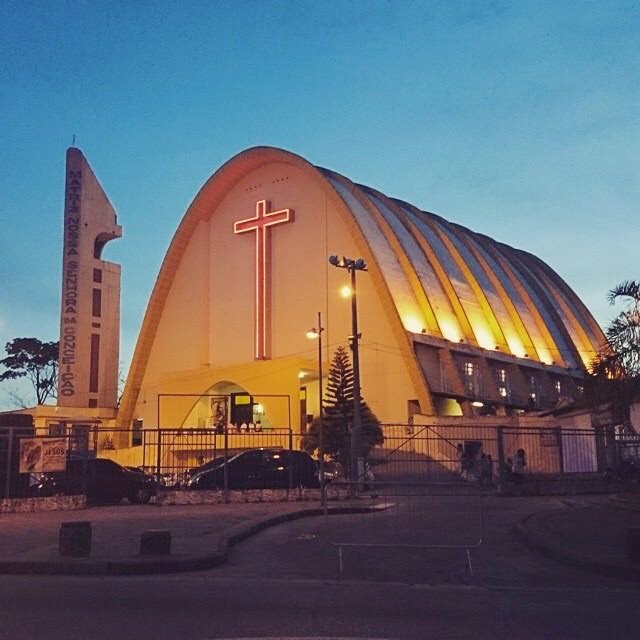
(357, 463)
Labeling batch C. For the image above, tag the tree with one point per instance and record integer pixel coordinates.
(615, 372)
(338, 416)
(35, 360)
(623, 334)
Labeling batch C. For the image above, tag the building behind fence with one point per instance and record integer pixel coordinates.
(411, 452)
(432, 452)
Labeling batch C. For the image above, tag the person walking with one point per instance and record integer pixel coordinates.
(518, 465)
(483, 470)
(489, 469)
(460, 458)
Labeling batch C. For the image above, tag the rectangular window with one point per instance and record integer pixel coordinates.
(136, 433)
(80, 437)
(471, 382)
(97, 303)
(56, 429)
(97, 275)
(534, 399)
(93, 402)
(503, 387)
(558, 387)
(94, 363)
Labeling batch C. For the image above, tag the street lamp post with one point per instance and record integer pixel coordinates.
(357, 463)
(317, 333)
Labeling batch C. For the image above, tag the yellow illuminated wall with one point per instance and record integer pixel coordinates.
(426, 277)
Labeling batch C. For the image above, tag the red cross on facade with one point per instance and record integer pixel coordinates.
(261, 223)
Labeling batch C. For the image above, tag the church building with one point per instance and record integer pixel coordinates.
(452, 324)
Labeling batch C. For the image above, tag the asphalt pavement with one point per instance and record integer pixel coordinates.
(588, 532)
(284, 581)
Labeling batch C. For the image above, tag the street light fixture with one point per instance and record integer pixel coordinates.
(357, 463)
(312, 334)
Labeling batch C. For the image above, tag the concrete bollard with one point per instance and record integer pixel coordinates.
(155, 543)
(633, 544)
(75, 539)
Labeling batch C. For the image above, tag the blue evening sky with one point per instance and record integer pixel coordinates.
(516, 119)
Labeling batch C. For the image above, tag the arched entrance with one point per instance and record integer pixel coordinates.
(227, 403)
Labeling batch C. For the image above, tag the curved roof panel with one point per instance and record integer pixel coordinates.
(444, 280)
(477, 290)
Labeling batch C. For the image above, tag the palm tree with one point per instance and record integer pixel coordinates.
(616, 369)
(623, 334)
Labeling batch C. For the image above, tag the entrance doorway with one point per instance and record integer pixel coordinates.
(222, 404)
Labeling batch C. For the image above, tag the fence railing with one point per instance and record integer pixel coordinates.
(28, 460)
(172, 454)
(410, 452)
(401, 516)
(436, 452)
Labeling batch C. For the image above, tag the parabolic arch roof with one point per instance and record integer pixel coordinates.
(446, 281)
(450, 282)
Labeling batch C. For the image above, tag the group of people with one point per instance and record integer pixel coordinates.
(481, 469)
(474, 468)
(240, 427)
(515, 467)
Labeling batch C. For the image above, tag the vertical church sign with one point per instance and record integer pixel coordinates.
(70, 291)
(90, 297)
(261, 225)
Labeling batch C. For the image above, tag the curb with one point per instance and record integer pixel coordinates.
(623, 501)
(532, 534)
(136, 566)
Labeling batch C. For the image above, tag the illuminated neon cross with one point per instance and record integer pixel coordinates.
(261, 223)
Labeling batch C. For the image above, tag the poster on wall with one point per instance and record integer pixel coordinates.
(38, 455)
(218, 418)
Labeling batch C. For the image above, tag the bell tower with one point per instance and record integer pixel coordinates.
(90, 303)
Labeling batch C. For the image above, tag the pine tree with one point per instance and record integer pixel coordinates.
(338, 416)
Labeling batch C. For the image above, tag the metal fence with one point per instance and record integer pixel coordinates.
(433, 453)
(425, 453)
(21, 469)
(172, 453)
(404, 517)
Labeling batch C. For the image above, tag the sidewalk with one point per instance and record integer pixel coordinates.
(589, 537)
(588, 532)
(201, 536)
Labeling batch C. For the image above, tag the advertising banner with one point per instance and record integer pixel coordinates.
(38, 455)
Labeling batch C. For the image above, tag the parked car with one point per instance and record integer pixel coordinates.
(333, 471)
(260, 469)
(101, 479)
(211, 464)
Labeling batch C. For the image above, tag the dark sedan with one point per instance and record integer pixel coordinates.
(102, 480)
(260, 469)
(207, 466)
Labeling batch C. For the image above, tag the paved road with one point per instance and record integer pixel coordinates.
(282, 583)
(303, 549)
(212, 606)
